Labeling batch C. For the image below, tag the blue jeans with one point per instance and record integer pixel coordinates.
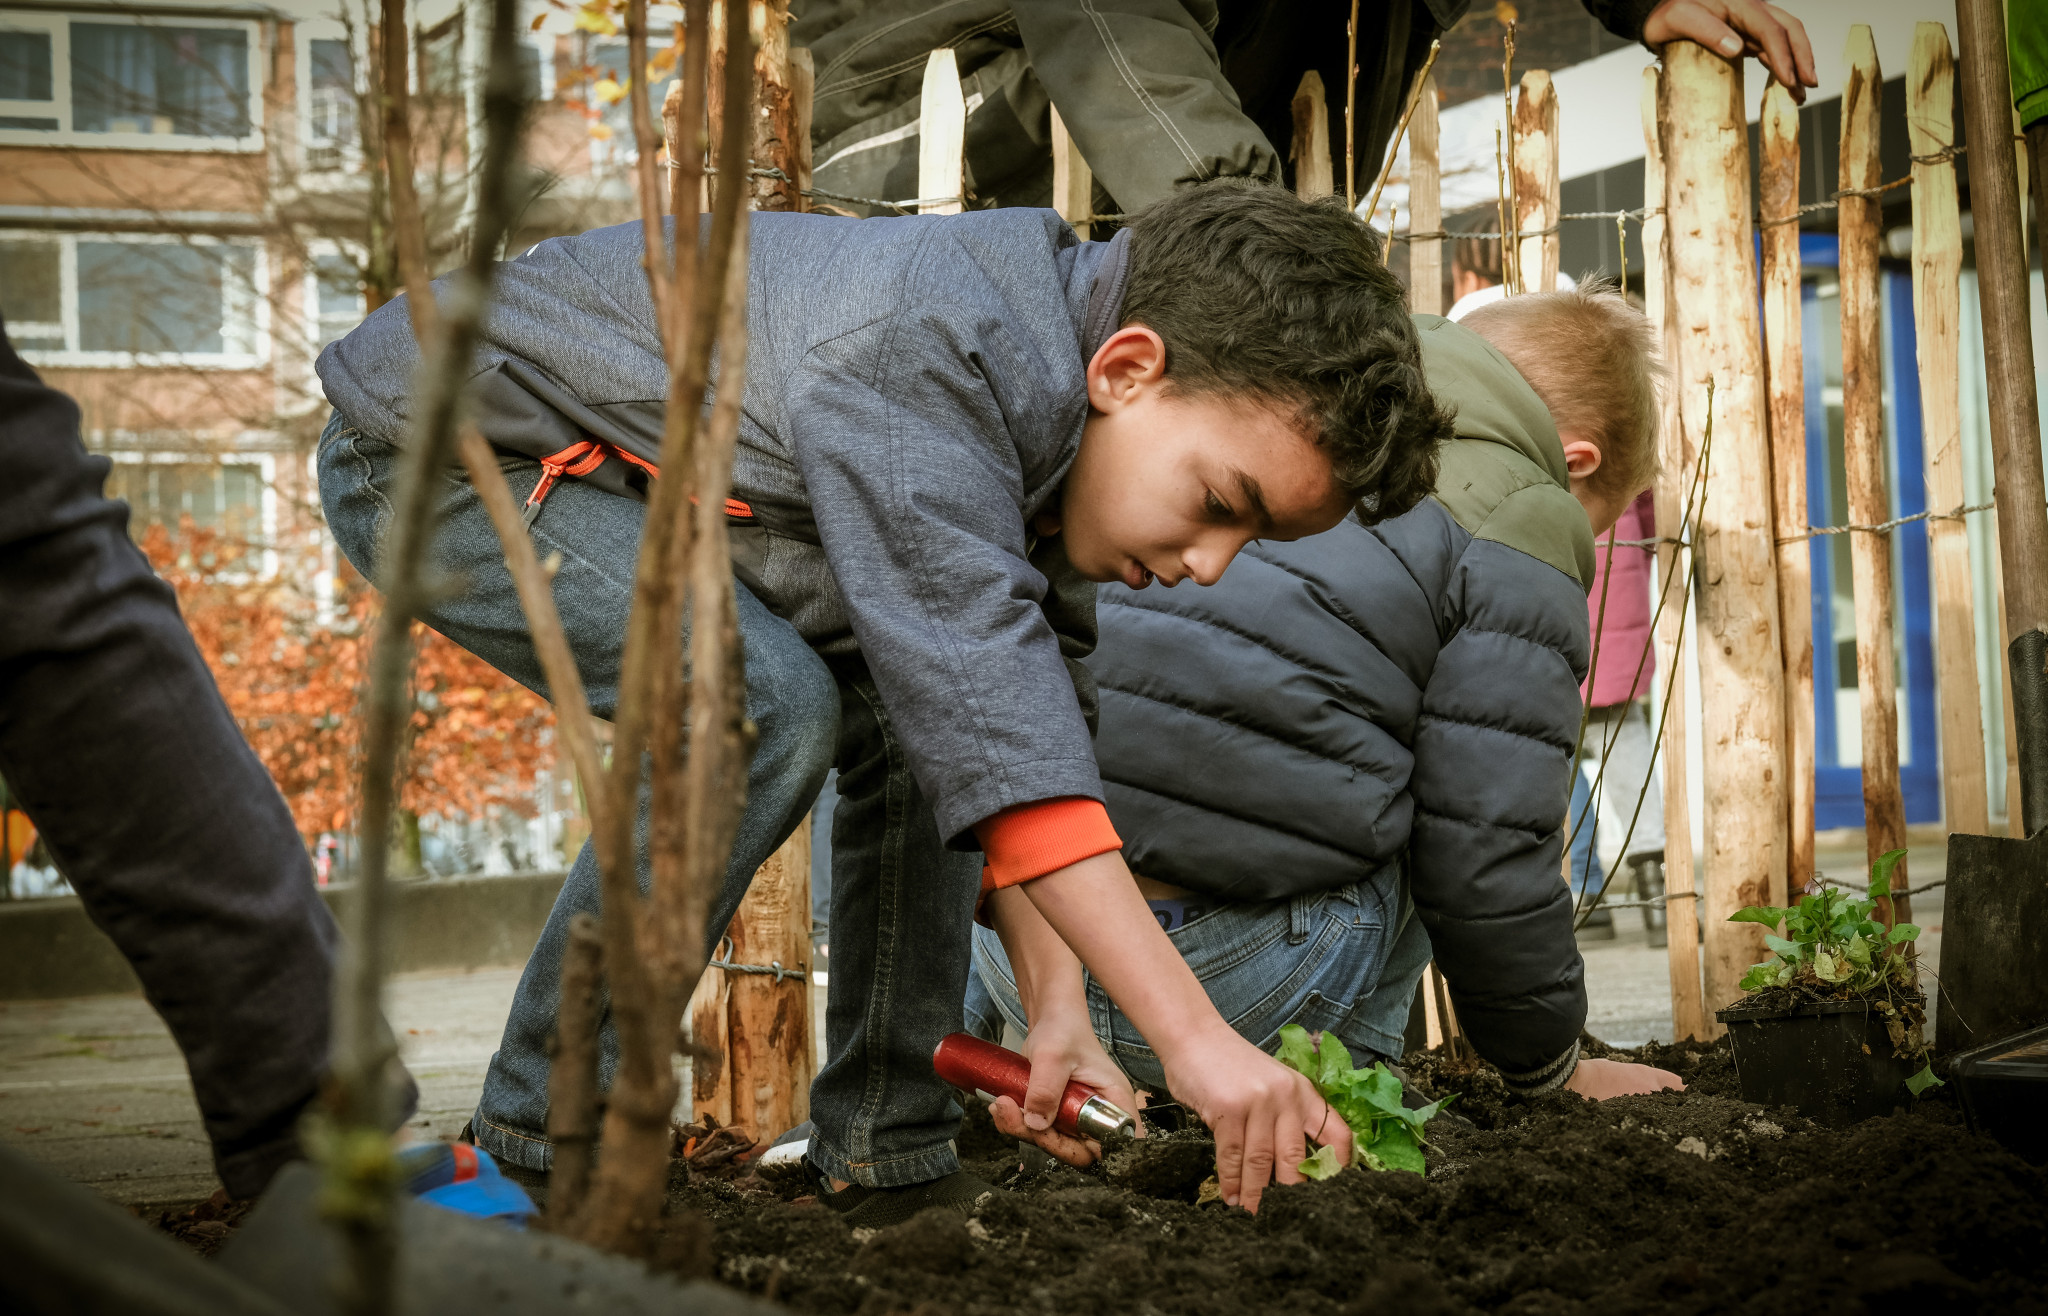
(1587, 873)
(1346, 961)
(902, 904)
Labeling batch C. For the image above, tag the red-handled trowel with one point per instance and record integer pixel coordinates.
(967, 1062)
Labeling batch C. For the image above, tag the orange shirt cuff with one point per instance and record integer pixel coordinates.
(1031, 840)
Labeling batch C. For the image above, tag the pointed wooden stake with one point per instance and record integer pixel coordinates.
(1778, 199)
(1937, 312)
(1863, 456)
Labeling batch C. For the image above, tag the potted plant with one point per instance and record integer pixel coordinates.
(1832, 1022)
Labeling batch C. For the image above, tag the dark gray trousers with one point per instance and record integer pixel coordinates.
(115, 741)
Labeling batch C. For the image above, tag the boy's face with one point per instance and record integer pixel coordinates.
(1169, 487)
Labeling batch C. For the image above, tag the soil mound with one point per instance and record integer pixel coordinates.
(1692, 1202)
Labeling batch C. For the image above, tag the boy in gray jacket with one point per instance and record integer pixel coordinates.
(1379, 715)
(951, 424)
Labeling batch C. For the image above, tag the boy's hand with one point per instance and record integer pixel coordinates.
(1062, 1051)
(1597, 1080)
(1262, 1113)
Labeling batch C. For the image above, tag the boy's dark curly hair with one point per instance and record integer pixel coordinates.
(1258, 293)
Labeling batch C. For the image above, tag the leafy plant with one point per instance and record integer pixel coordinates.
(1831, 940)
(1386, 1134)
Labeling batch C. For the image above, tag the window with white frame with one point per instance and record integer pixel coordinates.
(133, 299)
(114, 79)
(165, 489)
(334, 293)
(332, 139)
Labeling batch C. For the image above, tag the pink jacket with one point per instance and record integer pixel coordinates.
(1623, 660)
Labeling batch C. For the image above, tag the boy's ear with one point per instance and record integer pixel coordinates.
(1581, 456)
(1131, 361)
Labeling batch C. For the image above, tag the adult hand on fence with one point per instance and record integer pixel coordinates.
(1739, 27)
(1597, 1080)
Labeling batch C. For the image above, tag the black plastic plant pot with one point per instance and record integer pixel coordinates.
(1831, 1060)
(2005, 1090)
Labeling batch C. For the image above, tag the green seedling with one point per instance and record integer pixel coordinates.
(1831, 939)
(1385, 1134)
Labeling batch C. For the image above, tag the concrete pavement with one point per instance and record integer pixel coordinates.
(94, 1088)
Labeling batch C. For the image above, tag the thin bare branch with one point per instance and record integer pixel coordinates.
(535, 584)
(410, 230)
(572, 1073)
(625, 1201)
(646, 146)
(358, 1165)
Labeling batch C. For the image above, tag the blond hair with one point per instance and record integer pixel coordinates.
(1591, 355)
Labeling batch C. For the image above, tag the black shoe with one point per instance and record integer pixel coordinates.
(878, 1208)
(1599, 926)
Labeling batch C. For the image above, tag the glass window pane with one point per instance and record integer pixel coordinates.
(30, 283)
(341, 296)
(216, 496)
(608, 60)
(241, 501)
(341, 288)
(162, 297)
(134, 78)
(24, 66)
(441, 62)
(332, 103)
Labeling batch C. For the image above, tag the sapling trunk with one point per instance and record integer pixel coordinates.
(357, 1152)
(690, 832)
(572, 1075)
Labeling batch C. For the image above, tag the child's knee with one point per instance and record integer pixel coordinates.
(793, 702)
(354, 475)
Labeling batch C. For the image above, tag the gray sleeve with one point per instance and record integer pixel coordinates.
(917, 488)
(1139, 85)
(1500, 714)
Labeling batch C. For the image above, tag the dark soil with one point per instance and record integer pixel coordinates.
(204, 1228)
(1693, 1202)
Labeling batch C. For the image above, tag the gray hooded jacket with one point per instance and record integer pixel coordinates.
(915, 393)
(1406, 690)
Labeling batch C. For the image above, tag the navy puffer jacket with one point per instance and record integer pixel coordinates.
(1409, 688)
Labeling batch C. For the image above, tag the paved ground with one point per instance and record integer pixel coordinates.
(95, 1089)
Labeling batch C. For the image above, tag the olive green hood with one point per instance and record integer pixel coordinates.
(1503, 477)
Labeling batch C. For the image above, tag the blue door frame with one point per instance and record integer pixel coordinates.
(1838, 794)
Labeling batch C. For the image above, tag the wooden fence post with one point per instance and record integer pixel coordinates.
(1863, 456)
(942, 136)
(1073, 183)
(1995, 208)
(803, 81)
(1937, 312)
(1674, 646)
(1742, 676)
(1535, 182)
(1778, 198)
(753, 1032)
(1314, 175)
(775, 124)
(1425, 207)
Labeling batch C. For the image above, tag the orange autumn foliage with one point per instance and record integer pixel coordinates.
(293, 685)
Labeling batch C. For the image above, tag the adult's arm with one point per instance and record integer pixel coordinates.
(115, 740)
(1139, 85)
